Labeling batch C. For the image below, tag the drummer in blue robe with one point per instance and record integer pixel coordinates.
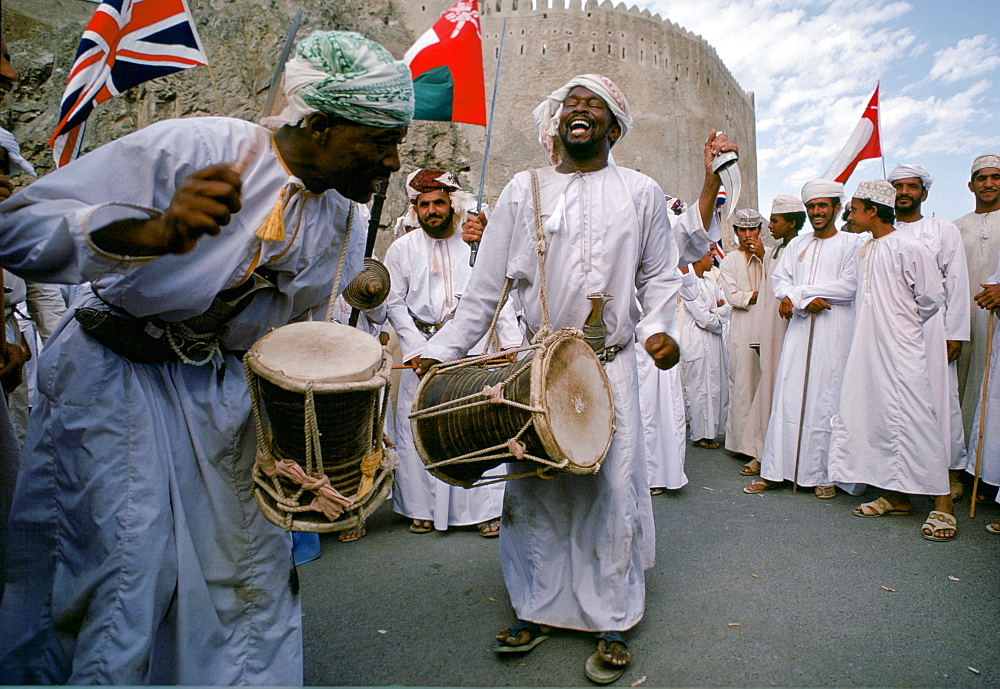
(138, 554)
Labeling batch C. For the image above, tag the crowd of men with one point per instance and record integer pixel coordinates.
(134, 550)
(860, 382)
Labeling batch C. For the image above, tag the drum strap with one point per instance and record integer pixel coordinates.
(540, 248)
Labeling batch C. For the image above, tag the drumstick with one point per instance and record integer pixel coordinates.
(489, 362)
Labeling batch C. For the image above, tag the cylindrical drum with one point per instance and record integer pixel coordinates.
(553, 408)
(323, 389)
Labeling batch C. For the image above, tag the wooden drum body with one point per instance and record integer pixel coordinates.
(553, 408)
(323, 388)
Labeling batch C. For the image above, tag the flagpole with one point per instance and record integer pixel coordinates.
(272, 89)
(489, 135)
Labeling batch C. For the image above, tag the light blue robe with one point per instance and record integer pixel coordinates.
(139, 554)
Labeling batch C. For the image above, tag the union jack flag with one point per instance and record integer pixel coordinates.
(125, 43)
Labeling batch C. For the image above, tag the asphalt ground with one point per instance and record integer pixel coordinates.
(773, 589)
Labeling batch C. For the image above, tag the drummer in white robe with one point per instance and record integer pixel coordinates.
(742, 274)
(788, 215)
(141, 557)
(988, 454)
(703, 352)
(948, 329)
(886, 432)
(981, 236)
(815, 282)
(430, 269)
(573, 549)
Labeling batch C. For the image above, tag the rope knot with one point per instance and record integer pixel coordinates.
(495, 393)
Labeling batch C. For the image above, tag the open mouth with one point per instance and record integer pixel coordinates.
(579, 125)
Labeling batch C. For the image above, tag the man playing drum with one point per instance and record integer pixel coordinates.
(140, 556)
(429, 270)
(573, 549)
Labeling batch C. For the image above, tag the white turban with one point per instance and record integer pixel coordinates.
(822, 189)
(547, 112)
(906, 171)
(786, 203)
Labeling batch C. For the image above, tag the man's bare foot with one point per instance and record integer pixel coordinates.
(490, 529)
(421, 526)
(614, 652)
(521, 636)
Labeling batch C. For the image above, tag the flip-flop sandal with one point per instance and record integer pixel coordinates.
(758, 485)
(749, 470)
(599, 671)
(351, 535)
(656, 491)
(939, 521)
(879, 507)
(825, 492)
(537, 637)
(484, 529)
(994, 526)
(425, 526)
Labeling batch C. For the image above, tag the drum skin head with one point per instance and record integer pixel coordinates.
(576, 392)
(315, 352)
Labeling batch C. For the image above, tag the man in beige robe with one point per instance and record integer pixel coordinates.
(743, 273)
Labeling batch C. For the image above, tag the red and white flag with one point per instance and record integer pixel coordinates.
(865, 142)
(125, 43)
(447, 67)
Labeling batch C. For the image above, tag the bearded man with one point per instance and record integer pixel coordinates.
(946, 330)
(573, 550)
(814, 281)
(140, 556)
(430, 270)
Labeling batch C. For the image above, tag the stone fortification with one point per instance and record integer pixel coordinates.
(676, 84)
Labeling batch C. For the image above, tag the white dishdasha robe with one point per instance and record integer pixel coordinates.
(428, 277)
(886, 432)
(809, 268)
(573, 550)
(952, 322)
(704, 357)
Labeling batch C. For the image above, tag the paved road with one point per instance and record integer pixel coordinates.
(748, 590)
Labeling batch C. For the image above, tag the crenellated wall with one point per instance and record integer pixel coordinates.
(677, 87)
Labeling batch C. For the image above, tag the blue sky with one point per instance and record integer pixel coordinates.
(813, 67)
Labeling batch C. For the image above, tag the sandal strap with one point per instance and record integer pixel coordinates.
(612, 636)
(523, 625)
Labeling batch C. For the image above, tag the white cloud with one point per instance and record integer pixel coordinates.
(813, 68)
(968, 59)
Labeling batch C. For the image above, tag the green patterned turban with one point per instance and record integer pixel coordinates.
(343, 73)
